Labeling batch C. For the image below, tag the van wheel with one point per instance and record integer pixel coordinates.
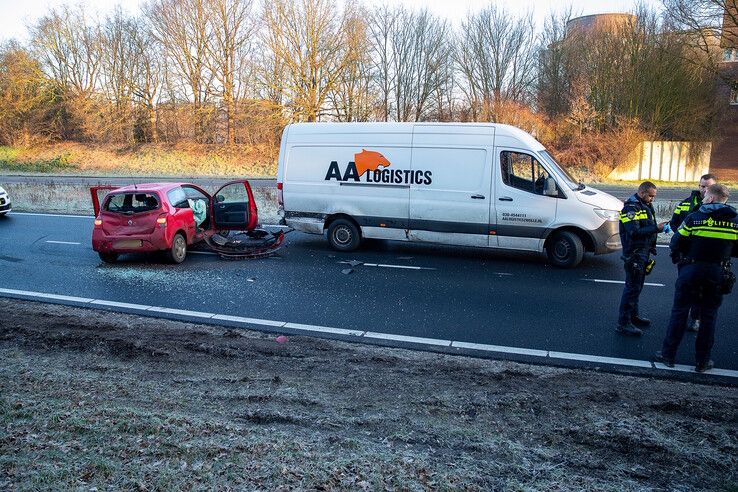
(565, 250)
(178, 252)
(344, 235)
(108, 257)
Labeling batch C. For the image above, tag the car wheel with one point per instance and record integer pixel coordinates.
(108, 257)
(565, 250)
(344, 235)
(178, 252)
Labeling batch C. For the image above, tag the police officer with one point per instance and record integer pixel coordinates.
(706, 240)
(686, 207)
(638, 231)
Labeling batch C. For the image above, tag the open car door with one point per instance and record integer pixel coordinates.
(98, 193)
(233, 207)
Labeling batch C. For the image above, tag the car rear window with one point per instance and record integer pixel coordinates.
(132, 203)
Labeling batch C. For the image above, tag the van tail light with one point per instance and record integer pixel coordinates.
(98, 222)
(280, 195)
(162, 220)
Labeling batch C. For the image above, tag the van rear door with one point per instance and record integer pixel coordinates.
(450, 196)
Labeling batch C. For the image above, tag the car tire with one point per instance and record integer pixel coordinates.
(565, 250)
(178, 251)
(108, 257)
(344, 235)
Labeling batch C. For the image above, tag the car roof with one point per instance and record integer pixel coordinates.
(148, 187)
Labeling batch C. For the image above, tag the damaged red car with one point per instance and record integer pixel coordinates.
(168, 217)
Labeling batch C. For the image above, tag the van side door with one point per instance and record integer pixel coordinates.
(524, 213)
(450, 194)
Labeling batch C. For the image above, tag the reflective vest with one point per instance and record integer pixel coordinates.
(685, 207)
(710, 234)
(638, 228)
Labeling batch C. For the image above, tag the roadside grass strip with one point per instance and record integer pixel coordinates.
(520, 354)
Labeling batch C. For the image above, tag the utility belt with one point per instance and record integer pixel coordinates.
(722, 263)
(727, 277)
(636, 263)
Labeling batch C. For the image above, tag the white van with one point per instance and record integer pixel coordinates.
(484, 185)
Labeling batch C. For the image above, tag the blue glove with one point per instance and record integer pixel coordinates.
(667, 228)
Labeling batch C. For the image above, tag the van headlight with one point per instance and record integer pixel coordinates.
(607, 214)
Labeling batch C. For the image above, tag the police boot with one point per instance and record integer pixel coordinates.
(659, 357)
(640, 322)
(629, 330)
(704, 366)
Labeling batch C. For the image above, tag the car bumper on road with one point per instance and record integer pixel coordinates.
(5, 207)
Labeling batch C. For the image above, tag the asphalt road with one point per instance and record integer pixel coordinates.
(620, 191)
(451, 293)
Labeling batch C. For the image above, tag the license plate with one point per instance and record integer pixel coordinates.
(128, 244)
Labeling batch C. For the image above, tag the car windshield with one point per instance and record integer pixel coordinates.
(132, 203)
(568, 179)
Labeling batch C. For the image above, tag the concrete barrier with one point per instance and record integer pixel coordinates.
(665, 161)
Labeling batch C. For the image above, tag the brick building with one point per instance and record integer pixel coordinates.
(724, 158)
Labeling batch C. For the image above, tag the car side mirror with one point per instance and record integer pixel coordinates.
(219, 198)
(549, 188)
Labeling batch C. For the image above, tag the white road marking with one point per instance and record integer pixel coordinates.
(181, 312)
(140, 307)
(323, 329)
(249, 321)
(404, 338)
(499, 348)
(56, 215)
(542, 354)
(63, 242)
(601, 281)
(600, 359)
(662, 245)
(383, 265)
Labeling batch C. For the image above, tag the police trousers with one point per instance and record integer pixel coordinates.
(698, 285)
(635, 276)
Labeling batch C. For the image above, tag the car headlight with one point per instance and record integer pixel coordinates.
(607, 214)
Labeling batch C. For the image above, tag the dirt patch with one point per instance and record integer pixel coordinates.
(98, 399)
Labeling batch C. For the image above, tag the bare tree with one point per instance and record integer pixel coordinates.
(68, 48)
(309, 41)
(554, 94)
(496, 59)
(181, 26)
(232, 26)
(351, 99)
(382, 25)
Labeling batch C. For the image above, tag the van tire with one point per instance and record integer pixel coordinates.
(565, 250)
(178, 251)
(108, 257)
(344, 235)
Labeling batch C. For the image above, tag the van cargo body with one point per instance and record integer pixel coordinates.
(483, 185)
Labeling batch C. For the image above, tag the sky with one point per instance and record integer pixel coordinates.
(18, 14)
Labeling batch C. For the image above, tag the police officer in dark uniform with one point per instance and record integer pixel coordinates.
(638, 231)
(686, 207)
(703, 244)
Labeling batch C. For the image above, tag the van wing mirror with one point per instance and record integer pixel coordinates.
(549, 187)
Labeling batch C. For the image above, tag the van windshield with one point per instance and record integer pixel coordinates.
(568, 179)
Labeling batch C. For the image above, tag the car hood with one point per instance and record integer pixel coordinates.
(598, 199)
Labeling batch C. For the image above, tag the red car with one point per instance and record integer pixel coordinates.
(167, 217)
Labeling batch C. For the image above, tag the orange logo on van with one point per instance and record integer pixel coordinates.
(369, 160)
(370, 166)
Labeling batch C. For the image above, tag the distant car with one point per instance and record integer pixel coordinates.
(167, 217)
(5, 205)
